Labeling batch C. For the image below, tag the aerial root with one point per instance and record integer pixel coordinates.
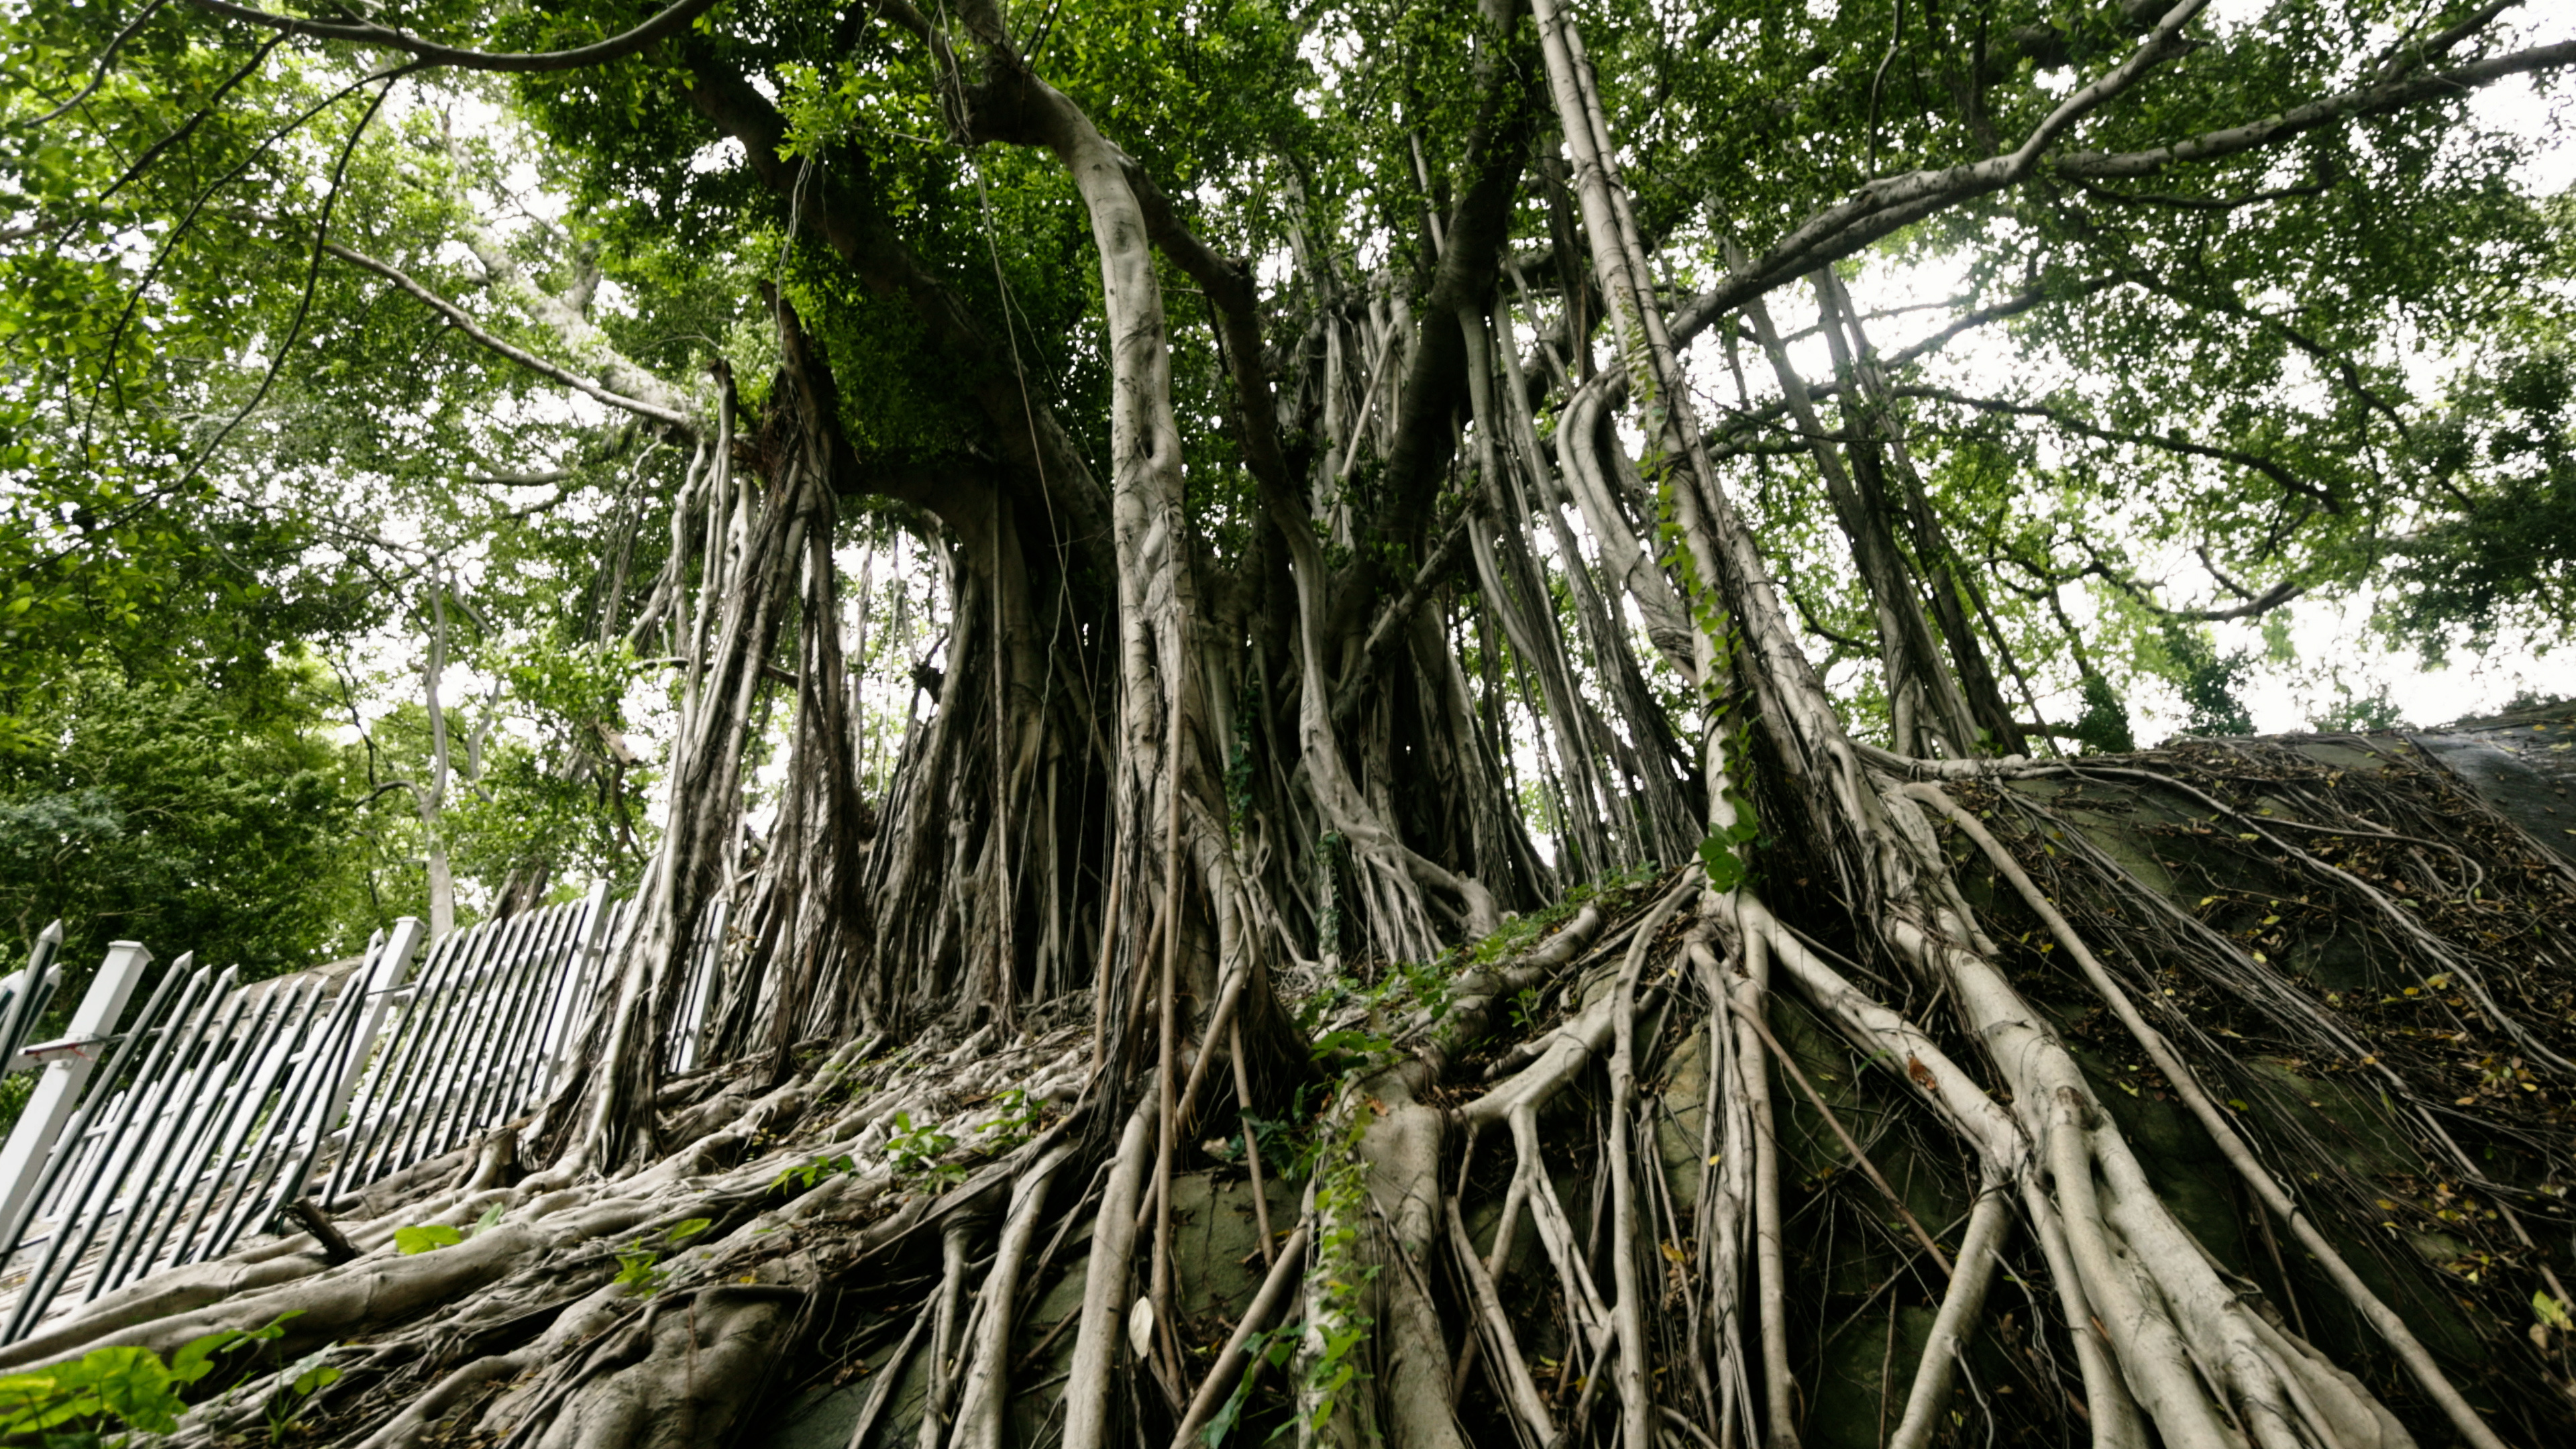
(1974, 1271)
(987, 1390)
(1101, 1337)
(1233, 1362)
(2168, 1348)
(2240, 1155)
(2179, 1335)
(680, 1377)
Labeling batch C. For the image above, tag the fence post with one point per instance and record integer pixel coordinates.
(701, 988)
(393, 968)
(68, 1064)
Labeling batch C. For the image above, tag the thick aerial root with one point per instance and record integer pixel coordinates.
(1979, 1253)
(980, 1406)
(1404, 1205)
(678, 1377)
(1099, 1342)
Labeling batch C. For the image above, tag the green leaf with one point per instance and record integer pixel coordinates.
(31, 1402)
(1725, 871)
(196, 1358)
(320, 1376)
(131, 1383)
(682, 1232)
(2550, 1310)
(428, 1238)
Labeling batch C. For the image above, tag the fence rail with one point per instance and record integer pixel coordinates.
(197, 1123)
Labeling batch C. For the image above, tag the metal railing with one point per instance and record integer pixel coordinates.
(215, 1108)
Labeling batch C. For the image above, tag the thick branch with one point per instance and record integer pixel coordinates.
(465, 323)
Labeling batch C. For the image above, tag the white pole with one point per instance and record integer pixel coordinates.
(68, 1063)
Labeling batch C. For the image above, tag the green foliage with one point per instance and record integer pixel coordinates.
(2209, 681)
(1723, 856)
(2499, 468)
(2357, 710)
(815, 1171)
(131, 1388)
(1276, 1347)
(1015, 1121)
(2550, 1311)
(639, 1271)
(639, 1265)
(1339, 1330)
(185, 817)
(2104, 725)
(918, 1150)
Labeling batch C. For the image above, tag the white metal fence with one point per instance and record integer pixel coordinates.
(215, 1107)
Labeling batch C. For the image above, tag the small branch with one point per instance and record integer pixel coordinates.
(98, 74)
(336, 1247)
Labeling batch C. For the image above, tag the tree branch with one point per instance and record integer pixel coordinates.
(672, 21)
(1885, 206)
(2289, 481)
(464, 322)
(2365, 101)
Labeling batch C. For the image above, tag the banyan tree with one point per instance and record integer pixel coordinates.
(1473, 787)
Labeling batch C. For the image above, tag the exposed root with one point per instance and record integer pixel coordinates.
(1656, 1306)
